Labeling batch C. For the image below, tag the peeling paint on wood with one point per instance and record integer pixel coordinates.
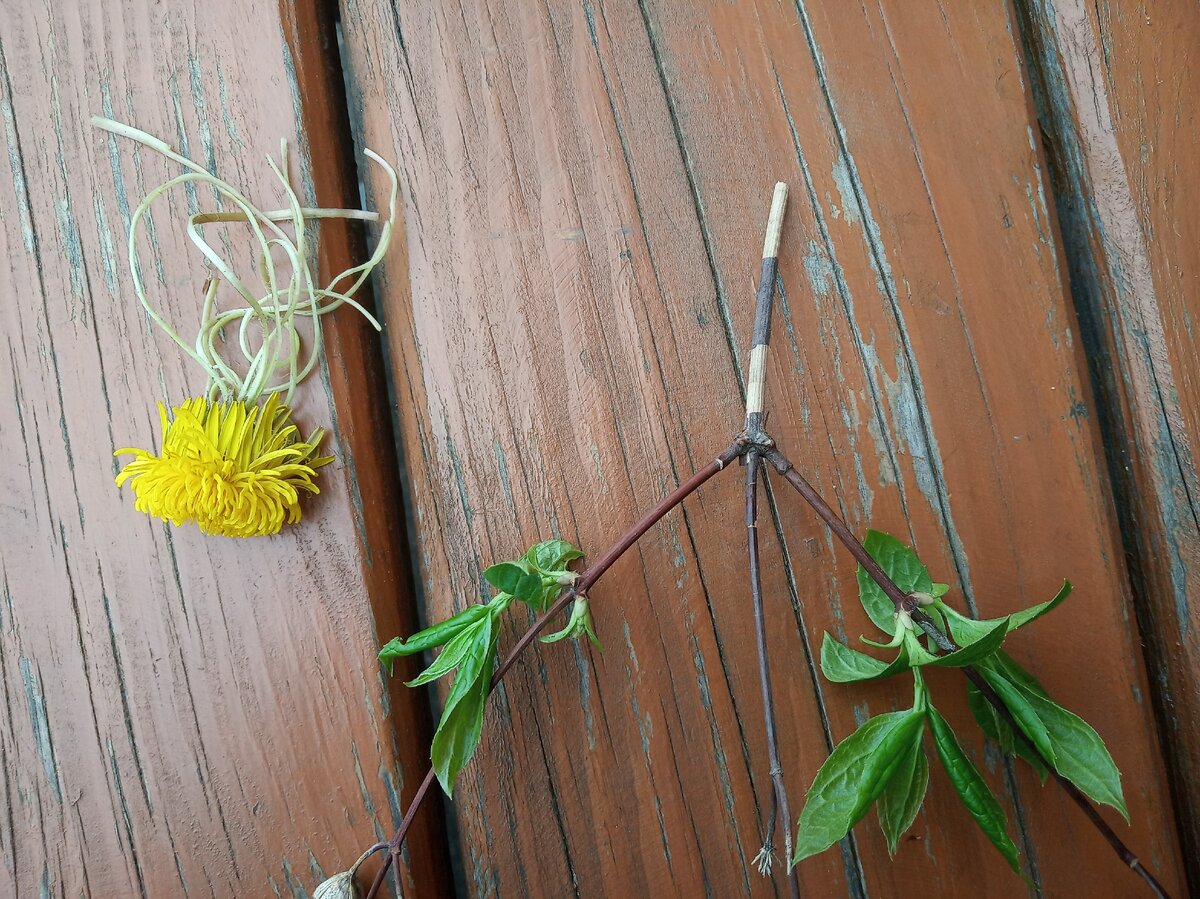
(182, 715)
(928, 323)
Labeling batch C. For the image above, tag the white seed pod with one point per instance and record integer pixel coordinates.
(339, 886)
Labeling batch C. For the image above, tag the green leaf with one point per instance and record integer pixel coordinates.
(1033, 613)
(530, 589)
(998, 729)
(454, 653)
(939, 590)
(504, 576)
(851, 779)
(902, 797)
(976, 795)
(552, 555)
(1079, 754)
(916, 654)
(969, 630)
(431, 637)
(1018, 675)
(973, 653)
(461, 723)
(844, 665)
(1026, 716)
(901, 565)
(578, 625)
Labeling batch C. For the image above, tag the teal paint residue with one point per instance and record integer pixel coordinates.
(40, 721)
(644, 727)
(295, 887)
(585, 690)
(393, 795)
(861, 713)
(819, 269)
(629, 645)
(845, 187)
(505, 482)
(368, 802)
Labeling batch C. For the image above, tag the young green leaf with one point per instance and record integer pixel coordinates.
(1033, 613)
(998, 729)
(1079, 754)
(901, 565)
(504, 576)
(916, 654)
(552, 555)
(578, 625)
(452, 656)
(844, 665)
(969, 630)
(973, 653)
(976, 795)
(902, 796)
(458, 731)
(851, 779)
(431, 637)
(530, 589)
(1018, 675)
(1027, 718)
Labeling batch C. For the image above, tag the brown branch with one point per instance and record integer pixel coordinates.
(585, 582)
(780, 807)
(945, 643)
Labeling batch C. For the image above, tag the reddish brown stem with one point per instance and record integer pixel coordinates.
(780, 807)
(585, 582)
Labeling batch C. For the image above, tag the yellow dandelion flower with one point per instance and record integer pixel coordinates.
(230, 464)
(235, 469)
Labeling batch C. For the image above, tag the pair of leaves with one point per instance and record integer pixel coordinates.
(469, 640)
(855, 774)
(458, 730)
(578, 625)
(1063, 739)
(1057, 736)
(432, 637)
(844, 665)
(538, 576)
(884, 762)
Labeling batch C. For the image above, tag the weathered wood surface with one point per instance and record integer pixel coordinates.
(1120, 102)
(182, 715)
(585, 188)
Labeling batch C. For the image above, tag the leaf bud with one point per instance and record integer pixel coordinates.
(339, 886)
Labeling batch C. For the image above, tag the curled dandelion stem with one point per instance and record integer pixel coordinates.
(273, 357)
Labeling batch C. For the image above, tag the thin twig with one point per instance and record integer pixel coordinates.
(585, 582)
(945, 643)
(780, 807)
(755, 446)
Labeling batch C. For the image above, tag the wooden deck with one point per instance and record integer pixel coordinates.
(985, 344)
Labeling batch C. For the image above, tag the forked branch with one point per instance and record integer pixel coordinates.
(754, 446)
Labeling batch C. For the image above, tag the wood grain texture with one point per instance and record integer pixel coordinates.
(567, 317)
(182, 715)
(1120, 105)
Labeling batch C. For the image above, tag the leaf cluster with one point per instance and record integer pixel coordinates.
(884, 763)
(468, 642)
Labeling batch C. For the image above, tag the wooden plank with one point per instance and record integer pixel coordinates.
(585, 189)
(183, 715)
(1119, 100)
